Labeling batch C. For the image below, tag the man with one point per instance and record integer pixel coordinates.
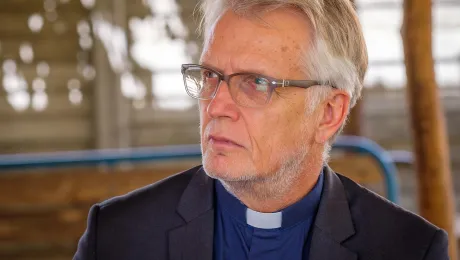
(275, 82)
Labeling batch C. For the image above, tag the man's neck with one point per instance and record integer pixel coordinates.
(277, 193)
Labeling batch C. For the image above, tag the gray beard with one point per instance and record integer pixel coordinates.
(268, 186)
(263, 187)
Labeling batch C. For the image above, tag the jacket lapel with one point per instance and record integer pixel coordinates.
(194, 239)
(333, 223)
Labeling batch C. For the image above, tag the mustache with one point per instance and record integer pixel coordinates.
(208, 129)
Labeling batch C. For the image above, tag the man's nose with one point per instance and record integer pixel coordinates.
(223, 105)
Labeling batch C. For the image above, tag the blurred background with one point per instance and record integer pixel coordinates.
(79, 75)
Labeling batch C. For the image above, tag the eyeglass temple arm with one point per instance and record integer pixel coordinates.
(299, 83)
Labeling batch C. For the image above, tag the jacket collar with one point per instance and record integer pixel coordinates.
(195, 239)
(198, 197)
(334, 203)
(333, 224)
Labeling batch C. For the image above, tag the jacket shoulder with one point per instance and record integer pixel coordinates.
(385, 228)
(120, 227)
(152, 206)
(168, 190)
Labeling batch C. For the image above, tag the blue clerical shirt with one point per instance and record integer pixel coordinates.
(241, 233)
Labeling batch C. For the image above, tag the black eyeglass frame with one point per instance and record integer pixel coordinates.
(274, 83)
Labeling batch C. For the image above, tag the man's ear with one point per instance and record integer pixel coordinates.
(334, 113)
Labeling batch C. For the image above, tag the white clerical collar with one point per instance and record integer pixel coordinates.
(288, 217)
(264, 220)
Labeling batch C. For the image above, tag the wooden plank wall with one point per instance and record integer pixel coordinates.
(43, 213)
(61, 126)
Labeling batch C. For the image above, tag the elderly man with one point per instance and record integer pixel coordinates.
(275, 84)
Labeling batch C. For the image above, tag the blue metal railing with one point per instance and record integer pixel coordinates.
(354, 144)
(384, 159)
(402, 157)
(98, 157)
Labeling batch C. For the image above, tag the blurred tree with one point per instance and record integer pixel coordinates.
(432, 161)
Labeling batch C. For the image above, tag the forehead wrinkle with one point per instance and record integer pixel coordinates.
(260, 54)
(237, 59)
(254, 63)
(255, 53)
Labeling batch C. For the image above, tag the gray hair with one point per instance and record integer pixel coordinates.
(339, 55)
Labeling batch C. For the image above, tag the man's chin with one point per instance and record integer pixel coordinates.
(227, 167)
(227, 174)
(217, 172)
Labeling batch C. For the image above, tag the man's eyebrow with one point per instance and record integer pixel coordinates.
(253, 71)
(261, 72)
(258, 71)
(207, 65)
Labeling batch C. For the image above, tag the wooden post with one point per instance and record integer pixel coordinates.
(112, 110)
(428, 123)
(123, 105)
(353, 127)
(104, 106)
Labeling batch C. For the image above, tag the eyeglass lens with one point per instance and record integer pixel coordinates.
(246, 89)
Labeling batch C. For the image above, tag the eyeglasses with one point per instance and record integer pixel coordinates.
(246, 89)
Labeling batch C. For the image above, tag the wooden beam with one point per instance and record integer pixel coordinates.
(17, 25)
(59, 107)
(44, 50)
(112, 110)
(436, 201)
(59, 128)
(31, 145)
(103, 83)
(36, 6)
(57, 80)
(123, 105)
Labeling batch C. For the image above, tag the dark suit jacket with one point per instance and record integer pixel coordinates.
(174, 219)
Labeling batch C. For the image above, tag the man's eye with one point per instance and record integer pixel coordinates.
(209, 74)
(261, 83)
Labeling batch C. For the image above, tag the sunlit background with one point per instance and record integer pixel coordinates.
(158, 42)
(98, 74)
(69, 60)
(382, 21)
